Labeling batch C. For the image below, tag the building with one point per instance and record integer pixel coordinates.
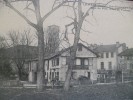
(56, 65)
(126, 64)
(52, 39)
(18, 55)
(109, 61)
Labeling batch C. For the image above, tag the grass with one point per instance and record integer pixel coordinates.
(95, 92)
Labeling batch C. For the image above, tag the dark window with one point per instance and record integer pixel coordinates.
(29, 66)
(53, 62)
(110, 65)
(102, 65)
(57, 75)
(89, 75)
(102, 55)
(48, 65)
(37, 66)
(112, 54)
(107, 55)
(50, 74)
(57, 61)
(79, 48)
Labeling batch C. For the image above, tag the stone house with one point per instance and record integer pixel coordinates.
(56, 65)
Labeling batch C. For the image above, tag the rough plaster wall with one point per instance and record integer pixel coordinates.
(106, 61)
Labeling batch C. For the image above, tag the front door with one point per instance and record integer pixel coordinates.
(89, 75)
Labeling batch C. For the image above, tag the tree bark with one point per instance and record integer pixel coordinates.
(71, 61)
(40, 69)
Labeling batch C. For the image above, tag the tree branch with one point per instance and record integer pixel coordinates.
(20, 14)
(49, 13)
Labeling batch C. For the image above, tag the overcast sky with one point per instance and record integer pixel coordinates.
(107, 26)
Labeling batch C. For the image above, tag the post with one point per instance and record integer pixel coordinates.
(122, 77)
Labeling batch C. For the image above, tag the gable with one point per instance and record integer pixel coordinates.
(85, 53)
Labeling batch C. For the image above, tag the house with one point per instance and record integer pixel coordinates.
(126, 64)
(18, 55)
(108, 62)
(56, 65)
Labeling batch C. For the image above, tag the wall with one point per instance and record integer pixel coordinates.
(106, 60)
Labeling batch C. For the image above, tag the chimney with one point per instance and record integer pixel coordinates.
(117, 44)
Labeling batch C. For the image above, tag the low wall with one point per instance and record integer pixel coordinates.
(9, 83)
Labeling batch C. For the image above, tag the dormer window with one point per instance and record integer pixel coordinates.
(102, 55)
(112, 54)
(79, 48)
(107, 55)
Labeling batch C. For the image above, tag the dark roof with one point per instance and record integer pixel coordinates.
(107, 48)
(22, 51)
(127, 52)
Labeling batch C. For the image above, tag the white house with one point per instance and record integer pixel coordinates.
(56, 65)
(109, 59)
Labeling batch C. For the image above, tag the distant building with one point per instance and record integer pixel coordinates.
(126, 63)
(109, 62)
(52, 39)
(56, 65)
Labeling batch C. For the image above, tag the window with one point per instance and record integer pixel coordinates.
(47, 75)
(82, 61)
(86, 62)
(102, 55)
(63, 60)
(57, 75)
(102, 65)
(36, 68)
(112, 54)
(78, 61)
(107, 55)
(52, 75)
(79, 48)
(110, 65)
(55, 62)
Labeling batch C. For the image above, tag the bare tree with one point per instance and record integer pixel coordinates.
(5, 68)
(20, 50)
(79, 18)
(38, 27)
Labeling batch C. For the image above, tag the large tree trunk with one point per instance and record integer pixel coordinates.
(77, 26)
(71, 63)
(40, 69)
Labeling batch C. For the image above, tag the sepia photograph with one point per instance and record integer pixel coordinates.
(66, 49)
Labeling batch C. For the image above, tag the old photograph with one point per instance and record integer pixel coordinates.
(66, 49)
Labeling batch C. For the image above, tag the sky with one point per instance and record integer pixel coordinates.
(107, 26)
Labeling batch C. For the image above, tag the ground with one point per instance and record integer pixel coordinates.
(94, 92)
